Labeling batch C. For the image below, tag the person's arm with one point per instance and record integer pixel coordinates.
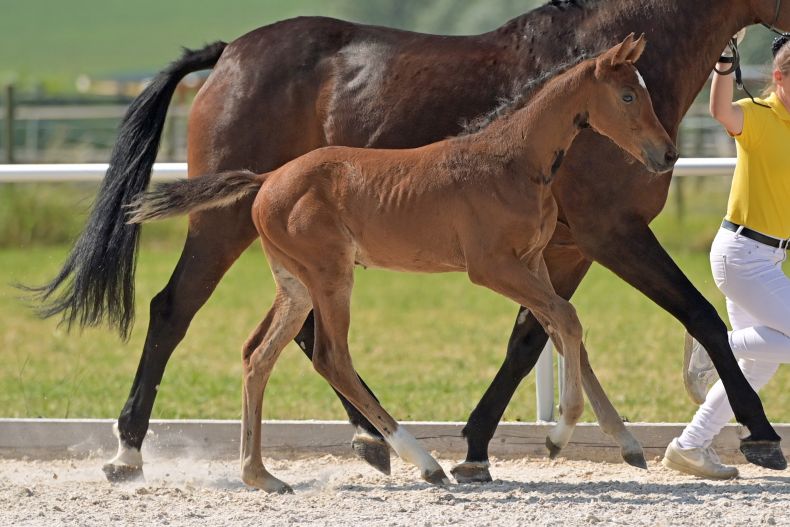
(721, 107)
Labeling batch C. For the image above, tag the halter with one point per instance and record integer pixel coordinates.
(735, 61)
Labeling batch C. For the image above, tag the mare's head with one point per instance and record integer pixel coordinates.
(620, 107)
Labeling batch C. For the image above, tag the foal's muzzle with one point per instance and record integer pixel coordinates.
(661, 159)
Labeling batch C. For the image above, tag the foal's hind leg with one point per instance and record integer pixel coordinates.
(259, 354)
(330, 290)
(367, 443)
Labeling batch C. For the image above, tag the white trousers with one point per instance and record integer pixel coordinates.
(750, 275)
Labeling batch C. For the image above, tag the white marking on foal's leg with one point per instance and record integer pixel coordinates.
(561, 434)
(127, 456)
(522, 317)
(407, 447)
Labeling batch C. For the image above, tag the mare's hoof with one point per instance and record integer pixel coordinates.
(122, 473)
(553, 449)
(635, 459)
(472, 472)
(763, 453)
(373, 450)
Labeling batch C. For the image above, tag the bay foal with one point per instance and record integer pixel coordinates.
(480, 203)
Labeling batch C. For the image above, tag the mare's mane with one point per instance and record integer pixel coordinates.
(565, 4)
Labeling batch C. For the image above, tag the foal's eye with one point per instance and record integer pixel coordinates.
(628, 98)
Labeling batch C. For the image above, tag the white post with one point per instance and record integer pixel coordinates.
(544, 384)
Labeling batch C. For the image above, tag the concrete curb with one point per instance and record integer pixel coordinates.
(57, 438)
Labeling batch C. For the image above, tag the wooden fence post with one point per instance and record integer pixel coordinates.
(9, 123)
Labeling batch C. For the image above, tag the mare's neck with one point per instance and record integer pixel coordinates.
(684, 40)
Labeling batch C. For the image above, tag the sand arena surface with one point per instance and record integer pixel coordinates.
(342, 491)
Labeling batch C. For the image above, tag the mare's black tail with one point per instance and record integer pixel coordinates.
(97, 279)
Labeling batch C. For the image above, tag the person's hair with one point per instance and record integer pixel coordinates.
(781, 62)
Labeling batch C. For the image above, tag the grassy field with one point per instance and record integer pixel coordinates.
(429, 345)
(54, 41)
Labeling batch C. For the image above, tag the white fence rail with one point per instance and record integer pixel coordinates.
(709, 166)
(544, 370)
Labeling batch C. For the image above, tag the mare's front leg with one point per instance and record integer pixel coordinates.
(633, 253)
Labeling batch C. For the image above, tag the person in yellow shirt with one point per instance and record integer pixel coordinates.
(746, 260)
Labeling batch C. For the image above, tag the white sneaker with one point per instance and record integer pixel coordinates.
(698, 370)
(702, 462)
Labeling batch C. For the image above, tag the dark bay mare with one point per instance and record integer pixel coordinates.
(288, 88)
(479, 203)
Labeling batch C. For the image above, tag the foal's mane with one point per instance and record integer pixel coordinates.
(523, 93)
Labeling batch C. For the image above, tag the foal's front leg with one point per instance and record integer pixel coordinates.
(608, 418)
(513, 279)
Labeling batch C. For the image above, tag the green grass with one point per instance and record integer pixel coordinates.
(428, 345)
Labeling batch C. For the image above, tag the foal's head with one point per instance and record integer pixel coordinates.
(620, 107)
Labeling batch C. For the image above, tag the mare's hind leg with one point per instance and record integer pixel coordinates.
(260, 352)
(330, 289)
(215, 240)
(208, 252)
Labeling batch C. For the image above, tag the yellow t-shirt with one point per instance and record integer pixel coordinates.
(760, 193)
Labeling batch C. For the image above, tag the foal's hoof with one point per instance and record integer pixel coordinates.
(267, 483)
(281, 489)
(553, 449)
(472, 472)
(763, 453)
(635, 459)
(373, 450)
(122, 473)
(436, 477)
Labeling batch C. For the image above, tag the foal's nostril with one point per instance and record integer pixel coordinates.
(671, 156)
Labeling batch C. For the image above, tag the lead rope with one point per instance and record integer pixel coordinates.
(735, 60)
(735, 65)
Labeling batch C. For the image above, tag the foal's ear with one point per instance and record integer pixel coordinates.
(613, 56)
(623, 50)
(637, 49)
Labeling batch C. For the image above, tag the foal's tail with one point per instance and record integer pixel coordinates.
(190, 195)
(97, 280)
